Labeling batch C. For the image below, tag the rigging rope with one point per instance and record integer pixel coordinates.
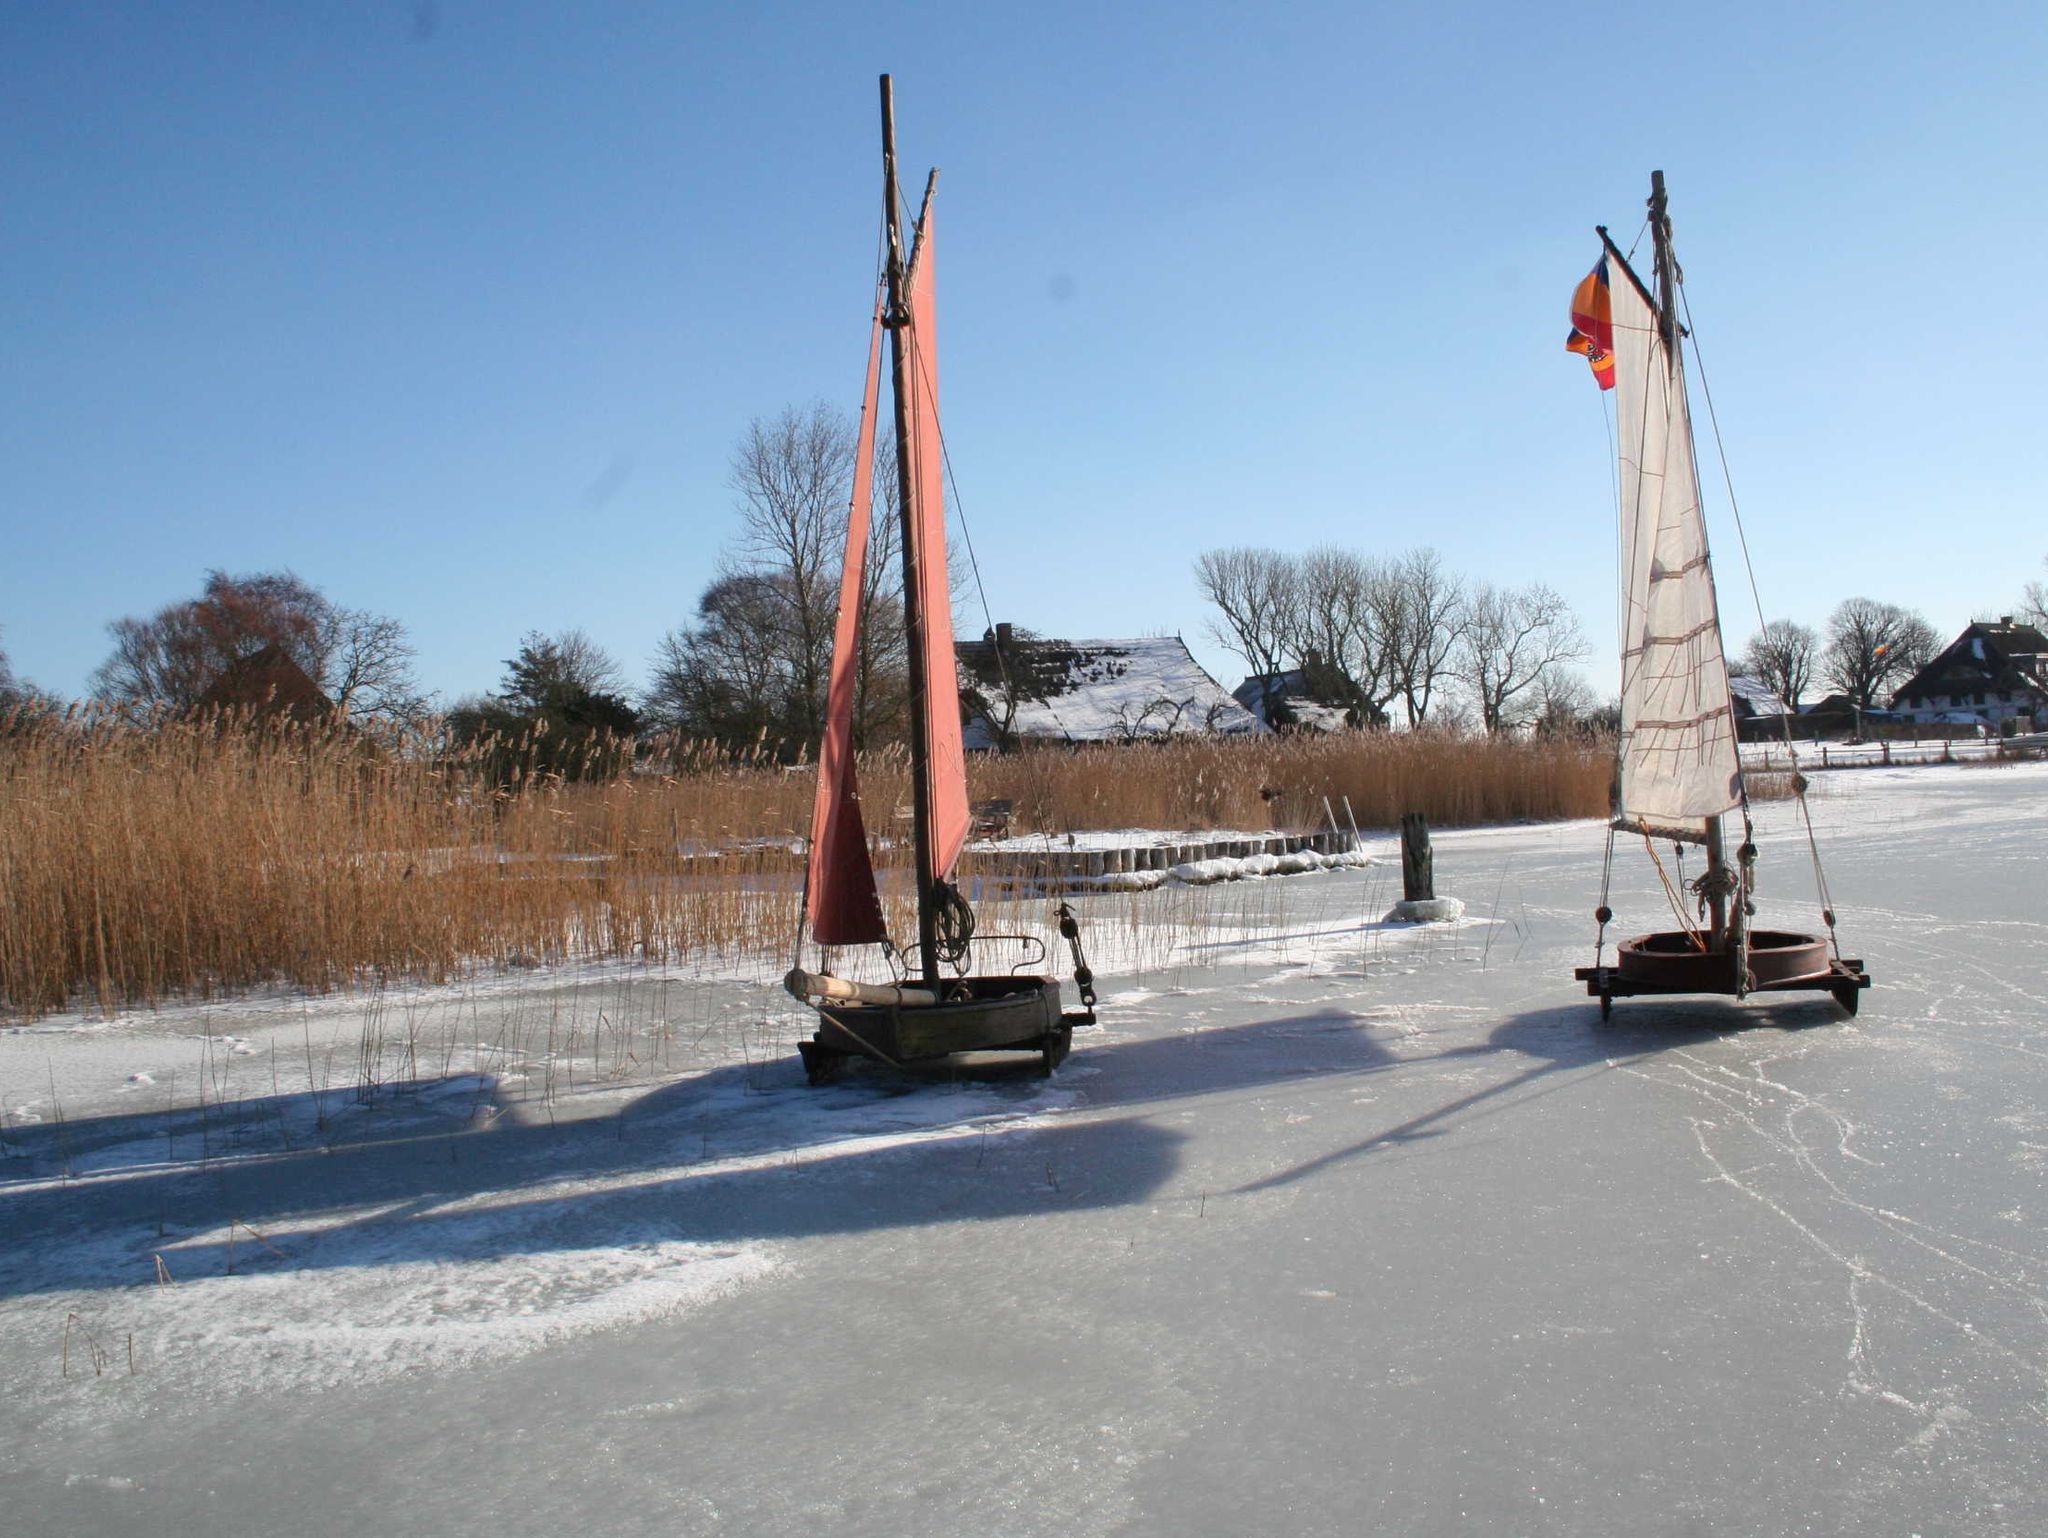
(953, 924)
(1672, 893)
(967, 538)
(1799, 782)
(1603, 914)
(954, 918)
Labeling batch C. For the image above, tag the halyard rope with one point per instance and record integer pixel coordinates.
(1820, 880)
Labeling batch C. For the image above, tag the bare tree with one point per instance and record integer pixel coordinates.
(361, 661)
(1872, 647)
(882, 697)
(1343, 604)
(1565, 704)
(369, 671)
(1510, 640)
(754, 665)
(1255, 593)
(724, 677)
(1158, 718)
(550, 670)
(1781, 658)
(1423, 619)
(2034, 603)
(791, 474)
(10, 686)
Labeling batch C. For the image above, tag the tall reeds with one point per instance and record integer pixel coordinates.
(139, 864)
(1281, 781)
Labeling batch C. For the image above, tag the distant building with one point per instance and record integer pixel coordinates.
(1314, 697)
(266, 684)
(1989, 674)
(1838, 716)
(1017, 688)
(1760, 716)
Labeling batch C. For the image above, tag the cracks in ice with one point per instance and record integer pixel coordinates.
(1862, 1375)
(1723, 1086)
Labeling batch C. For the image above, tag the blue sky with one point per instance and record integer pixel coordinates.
(458, 309)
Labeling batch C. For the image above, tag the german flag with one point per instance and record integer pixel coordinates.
(1593, 325)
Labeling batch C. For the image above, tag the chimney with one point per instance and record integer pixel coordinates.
(2005, 621)
(1004, 635)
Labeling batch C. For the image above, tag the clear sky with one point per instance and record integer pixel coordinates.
(456, 309)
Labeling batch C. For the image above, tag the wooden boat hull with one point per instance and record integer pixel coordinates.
(1672, 961)
(978, 1014)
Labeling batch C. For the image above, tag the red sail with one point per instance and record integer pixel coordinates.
(840, 894)
(944, 754)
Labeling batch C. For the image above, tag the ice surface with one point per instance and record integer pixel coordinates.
(1332, 1227)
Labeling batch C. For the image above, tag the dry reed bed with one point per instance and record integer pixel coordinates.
(138, 865)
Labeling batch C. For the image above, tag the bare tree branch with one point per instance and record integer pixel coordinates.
(1872, 647)
(361, 661)
(1255, 594)
(1781, 658)
(791, 474)
(1423, 615)
(1509, 642)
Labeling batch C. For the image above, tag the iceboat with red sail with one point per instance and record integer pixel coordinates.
(936, 1006)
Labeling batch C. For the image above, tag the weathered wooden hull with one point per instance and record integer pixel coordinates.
(1672, 961)
(979, 1014)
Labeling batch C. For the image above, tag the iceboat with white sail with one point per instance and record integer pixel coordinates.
(1678, 771)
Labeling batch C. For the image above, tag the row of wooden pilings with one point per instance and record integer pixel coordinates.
(1030, 859)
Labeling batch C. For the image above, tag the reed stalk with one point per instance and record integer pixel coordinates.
(173, 860)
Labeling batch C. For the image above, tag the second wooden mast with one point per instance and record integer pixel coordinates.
(896, 319)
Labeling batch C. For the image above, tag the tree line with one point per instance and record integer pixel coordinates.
(1376, 637)
(1866, 651)
(1369, 634)
(748, 671)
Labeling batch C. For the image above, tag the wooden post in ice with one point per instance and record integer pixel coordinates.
(1419, 903)
(1418, 860)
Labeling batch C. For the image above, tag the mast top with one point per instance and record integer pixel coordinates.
(1666, 265)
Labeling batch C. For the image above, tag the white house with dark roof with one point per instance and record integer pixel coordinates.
(1991, 672)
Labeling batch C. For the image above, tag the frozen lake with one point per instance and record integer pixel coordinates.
(1330, 1228)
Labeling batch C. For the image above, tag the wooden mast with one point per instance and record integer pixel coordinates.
(1667, 321)
(896, 320)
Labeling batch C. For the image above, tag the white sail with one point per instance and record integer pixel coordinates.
(1678, 758)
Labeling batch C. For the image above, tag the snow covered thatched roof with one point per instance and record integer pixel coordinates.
(1314, 699)
(1029, 688)
(1752, 697)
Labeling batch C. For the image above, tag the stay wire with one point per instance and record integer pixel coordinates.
(1820, 879)
(1604, 914)
(918, 361)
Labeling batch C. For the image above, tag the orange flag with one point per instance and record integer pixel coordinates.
(1593, 325)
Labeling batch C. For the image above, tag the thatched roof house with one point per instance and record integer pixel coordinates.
(266, 685)
(1016, 689)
